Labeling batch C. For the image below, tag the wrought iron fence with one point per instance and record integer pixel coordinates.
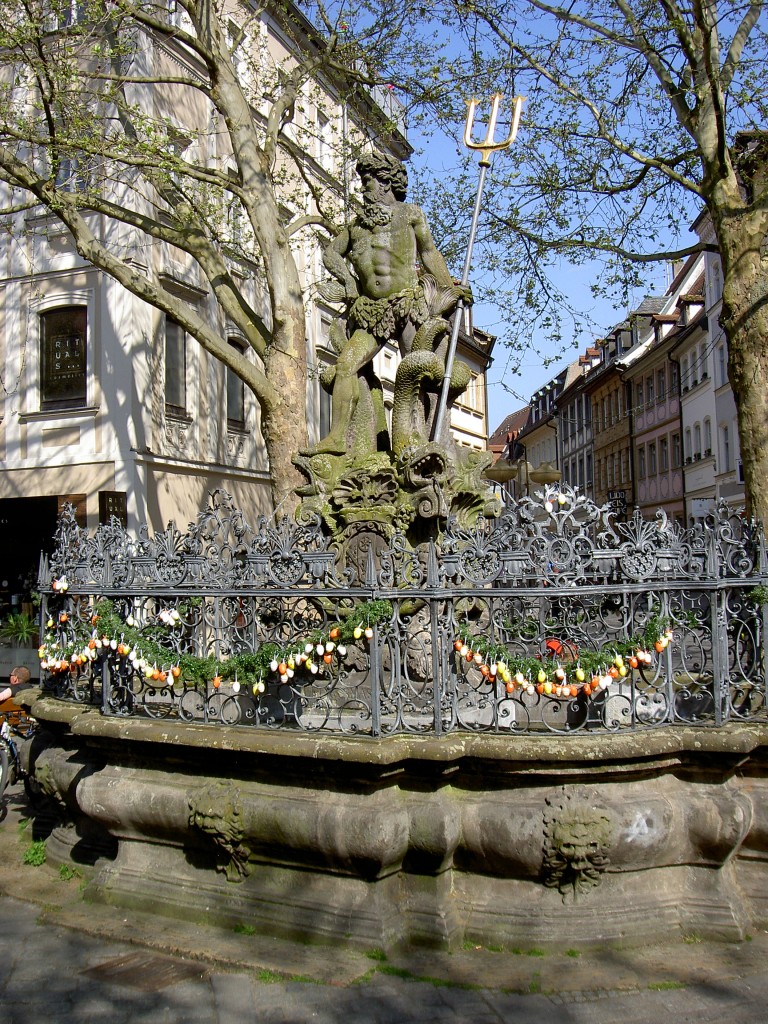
(555, 618)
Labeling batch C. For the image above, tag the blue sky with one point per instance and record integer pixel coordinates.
(524, 373)
(515, 374)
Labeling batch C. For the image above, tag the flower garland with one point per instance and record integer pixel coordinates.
(588, 673)
(75, 645)
(566, 673)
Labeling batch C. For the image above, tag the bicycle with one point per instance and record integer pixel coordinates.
(19, 725)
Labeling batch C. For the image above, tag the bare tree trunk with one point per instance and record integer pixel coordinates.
(283, 413)
(744, 319)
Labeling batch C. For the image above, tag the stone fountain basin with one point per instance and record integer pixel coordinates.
(542, 840)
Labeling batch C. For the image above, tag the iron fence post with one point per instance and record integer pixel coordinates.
(375, 669)
(438, 661)
(719, 641)
(106, 685)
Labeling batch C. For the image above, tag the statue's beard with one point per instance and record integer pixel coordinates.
(375, 214)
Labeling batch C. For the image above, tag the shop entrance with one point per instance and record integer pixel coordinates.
(27, 526)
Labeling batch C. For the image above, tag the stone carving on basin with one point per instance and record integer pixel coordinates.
(215, 811)
(577, 837)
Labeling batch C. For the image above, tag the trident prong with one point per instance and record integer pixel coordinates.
(489, 144)
(486, 148)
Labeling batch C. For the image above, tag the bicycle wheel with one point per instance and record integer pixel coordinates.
(5, 768)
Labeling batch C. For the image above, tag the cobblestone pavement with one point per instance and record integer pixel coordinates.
(67, 962)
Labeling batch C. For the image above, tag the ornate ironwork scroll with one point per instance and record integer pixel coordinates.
(557, 603)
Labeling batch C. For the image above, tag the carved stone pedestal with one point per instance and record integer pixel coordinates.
(552, 841)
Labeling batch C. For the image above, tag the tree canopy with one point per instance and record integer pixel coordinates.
(632, 112)
(192, 127)
(639, 113)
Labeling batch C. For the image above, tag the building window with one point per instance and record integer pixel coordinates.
(63, 359)
(649, 391)
(324, 143)
(684, 374)
(235, 392)
(641, 462)
(703, 373)
(639, 399)
(675, 382)
(652, 465)
(697, 441)
(663, 454)
(235, 222)
(661, 385)
(175, 367)
(72, 174)
(688, 445)
(726, 442)
(324, 410)
(68, 13)
(722, 366)
(677, 455)
(707, 436)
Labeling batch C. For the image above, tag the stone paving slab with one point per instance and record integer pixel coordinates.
(60, 986)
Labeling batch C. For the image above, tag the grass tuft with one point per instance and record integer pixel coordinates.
(34, 855)
(267, 977)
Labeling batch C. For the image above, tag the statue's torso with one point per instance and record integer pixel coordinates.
(384, 256)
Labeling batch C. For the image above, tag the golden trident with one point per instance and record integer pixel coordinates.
(486, 147)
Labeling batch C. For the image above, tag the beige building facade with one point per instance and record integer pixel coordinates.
(107, 403)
